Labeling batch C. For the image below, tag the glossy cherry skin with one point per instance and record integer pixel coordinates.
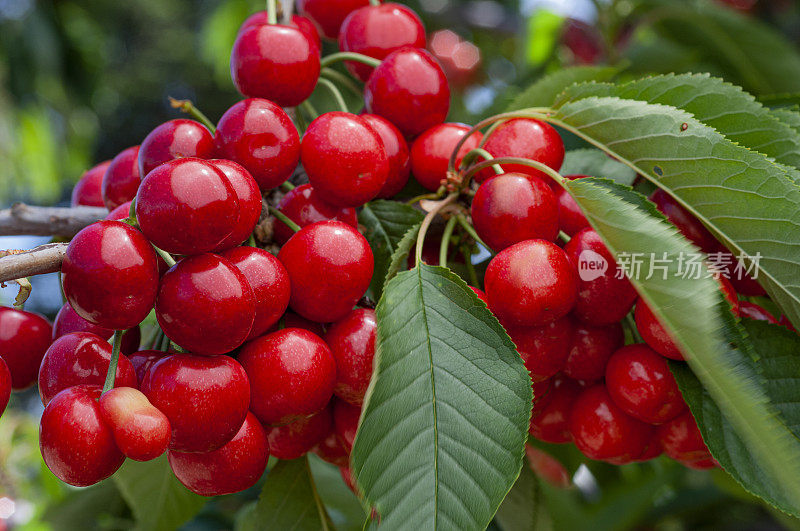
(77, 446)
(110, 275)
(275, 62)
(685, 222)
(571, 218)
(235, 467)
(754, 311)
(269, 281)
(529, 139)
(140, 430)
(24, 338)
(550, 416)
(187, 206)
(143, 360)
(640, 383)
(603, 431)
(410, 90)
(681, 439)
(344, 159)
(249, 197)
(345, 422)
(397, 152)
(67, 320)
(653, 333)
(431, 151)
(513, 207)
(328, 15)
(257, 134)
(305, 206)
(377, 31)
(5, 385)
(205, 399)
(331, 450)
(259, 18)
(206, 305)
(605, 299)
(481, 294)
(88, 189)
(297, 438)
(80, 358)
(544, 349)
(352, 342)
(292, 373)
(120, 213)
(330, 266)
(589, 349)
(530, 283)
(172, 140)
(122, 178)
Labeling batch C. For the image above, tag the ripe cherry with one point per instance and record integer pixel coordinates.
(174, 139)
(513, 207)
(269, 281)
(550, 417)
(641, 384)
(77, 446)
(245, 188)
(24, 338)
(88, 189)
(681, 439)
(529, 139)
(67, 321)
(187, 206)
(480, 293)
(602, 299)
(603, 431)
(205, 399)
(331, 449)
(589, 350)
(685, 222)
(205, 305)
(140, 430)
(276, 62)
(296, 439)
(122, 178)
(330, 266)
(460, 58)
(5, 385)
(235, 467)
(259, 18)
(544, 349)
(142, 360)
(292, 320)
(80, 358)
(361, 166)
(530, 283)
(410, 90)
(120, 213)
(430, 152)
(291, 372)
(260, 136)
(396, 150)
(345, 421)
(547, 467)
(653, 333)
(571, 218)
(305, 206)
(377, 31)
(110, 275)
(754, 311)
(352, 342)
(328, 15)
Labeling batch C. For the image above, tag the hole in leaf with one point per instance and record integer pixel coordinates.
(658, 171)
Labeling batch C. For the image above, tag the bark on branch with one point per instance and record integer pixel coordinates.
(22, 219)
(37, 261)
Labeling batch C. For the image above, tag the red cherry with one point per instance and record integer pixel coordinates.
(235, 467)
(430, 152)
(187, 206)
(513, 207)
(652, 450)
(292, 320)
(602, 431)
(653, 333)
(352, 342)
(547, 467)
(172, 140)
(121, 179)
(583, 40)
(304, 206)
(110, 275)
(784, 321)
(205, 305)
(259, 18)
(77, 446)
(249, 197)
(67, 321)
(140, 430)
(754, 311)
(24, 338)
(685, 222)
(544, 349)
(349, 480)
(529, 139)
(276, 62)
(331, 449)
(269, 281)
(120, 213)
(377, 31)
(88, 189)
(5, 385)
(641, 384)
(480, 293)
(745, 285)
(361, 166)
(701, 464)
(260, 136)
(80, 358)
(205, 399)
(330, 266)
(530, 283)
(328, 15)
(410, 90)
(571, 218)
(603, 299)
(143, 360)
(296, 439)
(345, 421)
(589, 350)
(550, 417)
(396, 150)
(681, 439)
(291, 372)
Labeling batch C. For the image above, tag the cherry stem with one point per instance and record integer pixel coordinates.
(544, 168)
(188, 107)
(286, 186)
(158, 337)
(112, 365)
(251, 241)
(343, 80)
(445, 245)
(164, 346)
(426, 223)
(374, 2)
(480, 152)
(328, 84)
(165, 255)
(284, 218)
(417, 199)
(471, 231)
(272, 12)
(287, 7)
(310, 110)
(349, 56)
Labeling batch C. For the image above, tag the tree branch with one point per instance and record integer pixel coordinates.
(38, 261)
(22, 219)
